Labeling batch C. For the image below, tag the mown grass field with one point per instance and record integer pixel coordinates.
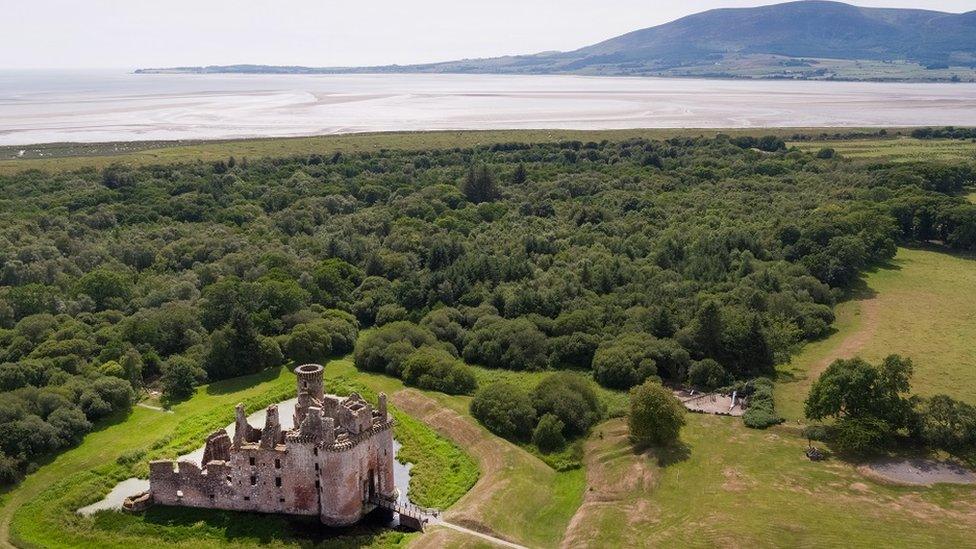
(897, 149)
(922, 306)
(736, 487)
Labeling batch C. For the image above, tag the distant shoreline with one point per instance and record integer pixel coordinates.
(285, 70)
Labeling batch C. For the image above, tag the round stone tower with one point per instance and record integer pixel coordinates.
(311, 391)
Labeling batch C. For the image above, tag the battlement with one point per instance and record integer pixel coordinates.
(333, 462)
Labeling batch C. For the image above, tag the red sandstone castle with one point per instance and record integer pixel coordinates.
(336, 463)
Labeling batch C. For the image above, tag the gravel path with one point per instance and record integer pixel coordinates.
(921, 472)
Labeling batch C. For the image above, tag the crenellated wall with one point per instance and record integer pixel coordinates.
(339, 455)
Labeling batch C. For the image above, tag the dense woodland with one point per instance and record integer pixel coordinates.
(697, 261)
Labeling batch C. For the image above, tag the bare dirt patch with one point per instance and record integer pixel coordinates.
(710, 403)
(919, 472)
(616, 478)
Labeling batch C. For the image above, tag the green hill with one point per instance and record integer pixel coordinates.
(808, 39)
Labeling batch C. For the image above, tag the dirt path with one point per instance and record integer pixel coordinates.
(854, 341)
(490, 452)
(616, 478)
(848, 346)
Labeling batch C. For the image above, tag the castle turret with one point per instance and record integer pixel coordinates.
(382, 406)
(311, 391)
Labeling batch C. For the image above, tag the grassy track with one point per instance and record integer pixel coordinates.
(922, 306)
(903, 149)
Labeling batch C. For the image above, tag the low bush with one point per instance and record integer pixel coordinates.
(505, 410)
(438, 370)
(762, 411)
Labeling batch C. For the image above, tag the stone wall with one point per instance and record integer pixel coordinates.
(338, 456)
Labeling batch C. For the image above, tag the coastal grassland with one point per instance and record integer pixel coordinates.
(40, 512)
(921, 306)
(896, 149)
(64, 157)
(730, 486)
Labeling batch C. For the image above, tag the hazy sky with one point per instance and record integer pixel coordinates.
(144, 33)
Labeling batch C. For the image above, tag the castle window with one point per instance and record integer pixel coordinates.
(317, 485)
(316, 467)
(252, 461)
(281, 500)
(254, 480)
(278, 482)
(211, 497)
(315, 451)
(247, 498)
(277, 464)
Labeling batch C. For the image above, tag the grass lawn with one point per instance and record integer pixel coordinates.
(901, 149)
(735, 487)
(922, 306)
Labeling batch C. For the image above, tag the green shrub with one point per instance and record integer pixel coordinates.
(570, 398)
(438, 370)
(656, 415)
(548, 434)
(505, 410)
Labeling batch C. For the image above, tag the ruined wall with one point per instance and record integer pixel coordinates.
(255, 479)
(338, 455)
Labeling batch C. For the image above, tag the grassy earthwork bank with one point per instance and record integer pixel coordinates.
(518, 497)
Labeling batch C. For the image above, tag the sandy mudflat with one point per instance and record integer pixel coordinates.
(922, 472)
(114, 106)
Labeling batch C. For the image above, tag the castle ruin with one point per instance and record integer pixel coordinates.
(336, 463)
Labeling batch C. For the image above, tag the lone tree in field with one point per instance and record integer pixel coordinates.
(479, 185)
(656, 415)
(869, 403)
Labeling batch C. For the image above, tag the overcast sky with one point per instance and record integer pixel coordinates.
(145, 33)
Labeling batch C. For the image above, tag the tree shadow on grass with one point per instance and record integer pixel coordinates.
(860, 291)
(665, 455)
(241, 383)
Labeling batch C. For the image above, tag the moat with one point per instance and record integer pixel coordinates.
(113, 500)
